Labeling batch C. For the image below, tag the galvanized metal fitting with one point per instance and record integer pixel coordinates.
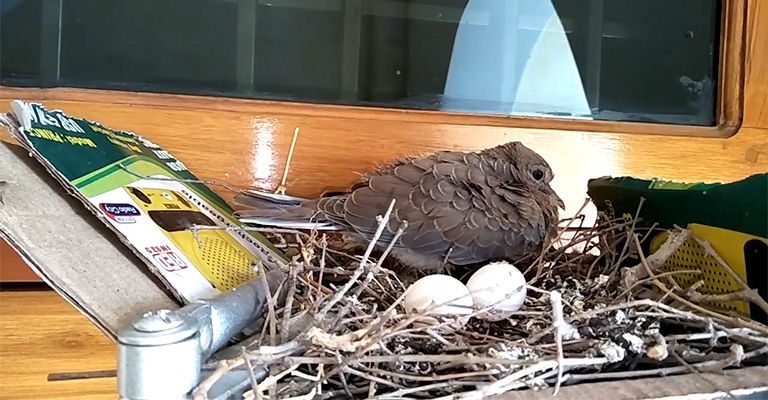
(159, 356)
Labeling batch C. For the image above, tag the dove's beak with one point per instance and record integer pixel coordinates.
(548, 189)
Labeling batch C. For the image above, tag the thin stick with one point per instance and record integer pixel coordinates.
(502, 385)
(430, 378)
(413, 358)
(753, 296)
(287, 310)
(656, 304)
(336, 298)
(281, 188)
(751, 324)
(272, 380)
(246, 229)
(344, 380)
(324, 244)
(658, 372)
(370, 274)
(662, 275)
(631, 229)
(559, 322)
(403, 392)
(251, 375)
(167, 179)
(698, 373)
(655, 260)
(551, 243)
(270, 306)
(741, 295)
(372, 378)
(201, 391)
(66, 376)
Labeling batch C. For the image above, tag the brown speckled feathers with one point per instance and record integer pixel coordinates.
(463, 208)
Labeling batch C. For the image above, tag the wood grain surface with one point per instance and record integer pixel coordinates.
(9, 257)
(247, 147)
(756, 65)
(40, 333)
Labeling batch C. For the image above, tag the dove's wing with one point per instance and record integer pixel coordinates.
(462, 202)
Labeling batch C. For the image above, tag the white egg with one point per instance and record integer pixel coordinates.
(499, 285)
(449, 296)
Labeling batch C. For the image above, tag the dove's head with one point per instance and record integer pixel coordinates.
(533, 172)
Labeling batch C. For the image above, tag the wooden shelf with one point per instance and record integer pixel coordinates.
(12, 266)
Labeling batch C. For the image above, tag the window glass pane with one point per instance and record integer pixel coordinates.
(650, 60)
(20, 32)
(164, 45)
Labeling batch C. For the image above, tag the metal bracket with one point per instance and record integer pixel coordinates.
(161, 353)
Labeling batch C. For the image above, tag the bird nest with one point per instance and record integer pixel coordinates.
(597, 308)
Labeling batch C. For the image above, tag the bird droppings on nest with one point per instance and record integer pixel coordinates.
(343, 332)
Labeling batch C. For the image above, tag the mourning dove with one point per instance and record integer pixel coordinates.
(459, 208)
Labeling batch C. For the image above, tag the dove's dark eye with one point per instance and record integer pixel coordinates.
(537, 174)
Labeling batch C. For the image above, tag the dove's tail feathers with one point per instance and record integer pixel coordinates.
(280, 211)
(257, 199)
(276, 222)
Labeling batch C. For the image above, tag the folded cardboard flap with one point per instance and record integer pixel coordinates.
(70, 249)
(185, 233)
(113, 237)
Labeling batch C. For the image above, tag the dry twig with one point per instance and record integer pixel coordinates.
(748, 292)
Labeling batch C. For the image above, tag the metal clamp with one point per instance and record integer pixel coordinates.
(160, 354)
